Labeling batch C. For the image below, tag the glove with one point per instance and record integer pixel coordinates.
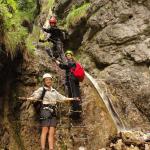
(43, 28)
(57, 62)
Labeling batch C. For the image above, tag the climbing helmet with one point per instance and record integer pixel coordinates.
(52, 20)
(47, 75)
(69, 52)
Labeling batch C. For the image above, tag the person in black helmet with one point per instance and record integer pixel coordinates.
(72, 84)
(57, 38)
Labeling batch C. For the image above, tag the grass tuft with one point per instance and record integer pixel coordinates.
(12, 15)
(76, 14)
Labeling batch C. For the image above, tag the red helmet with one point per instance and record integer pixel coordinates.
(52, 20)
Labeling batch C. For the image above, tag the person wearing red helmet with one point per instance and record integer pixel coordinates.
(52, 21)
(57, 38)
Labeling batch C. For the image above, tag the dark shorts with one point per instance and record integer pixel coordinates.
(49, 122)
(47, 118)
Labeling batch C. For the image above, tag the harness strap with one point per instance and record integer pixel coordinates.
(50, 108)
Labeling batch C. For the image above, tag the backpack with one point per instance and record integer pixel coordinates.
(78, 72)
(37, 105)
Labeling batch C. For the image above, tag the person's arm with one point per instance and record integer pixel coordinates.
(67, 65)
(47, 30)
(35, 96)
(61, 98)
(62, 65)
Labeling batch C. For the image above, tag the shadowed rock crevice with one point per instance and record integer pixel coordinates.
(76, 36)
(8, 102)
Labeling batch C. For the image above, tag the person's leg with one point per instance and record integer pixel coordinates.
(49, 52)
(75, 93)
(69, 91)
(43, 137)
(60, 51)
(55, 51)
(51, 138)
(76, 105)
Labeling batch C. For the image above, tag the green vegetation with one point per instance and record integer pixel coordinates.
(47, 5)
(32, 40)
(76, 14)
(12, 15)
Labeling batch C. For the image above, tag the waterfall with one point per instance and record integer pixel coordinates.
(108, 103)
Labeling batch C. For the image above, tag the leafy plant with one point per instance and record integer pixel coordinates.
(32, 40)
(76, 14)
(12, 15)
(47, 5)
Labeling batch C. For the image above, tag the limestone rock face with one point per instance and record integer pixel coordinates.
(116, 42)
(112, 41)
(115, 48)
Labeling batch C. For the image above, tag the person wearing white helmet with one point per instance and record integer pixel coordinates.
(48, 119)
(47, 75)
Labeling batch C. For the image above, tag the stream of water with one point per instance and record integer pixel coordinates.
(108, 103)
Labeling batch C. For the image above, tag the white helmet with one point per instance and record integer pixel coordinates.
(47, 75)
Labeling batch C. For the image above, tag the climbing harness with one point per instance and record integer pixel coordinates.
(48, 111)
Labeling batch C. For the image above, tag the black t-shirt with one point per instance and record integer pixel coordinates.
(67, 66)
(55, 34)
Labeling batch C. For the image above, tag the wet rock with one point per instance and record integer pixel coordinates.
(125, 15)
(132, 148)
(118, 145)
(131, 138)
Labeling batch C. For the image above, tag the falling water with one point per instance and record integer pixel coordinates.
(108, 103)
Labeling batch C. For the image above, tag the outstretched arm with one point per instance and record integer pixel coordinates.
(32, 99)
(61, 98)
(68, 99)
(28, 99)
(62, 65)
